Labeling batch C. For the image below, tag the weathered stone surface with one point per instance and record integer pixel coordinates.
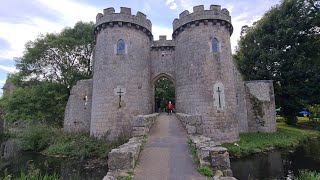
(189, 60)
(220, 161)
(241, 102)
(191, 129)
(260, 101)
(125, 156)
(9, 149)
(212, 154)
(77, 116)
(142, 124)
(192, 123)
(227, 172)
(217, 175)
(109, 177)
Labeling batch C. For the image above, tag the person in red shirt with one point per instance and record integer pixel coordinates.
(169, 108)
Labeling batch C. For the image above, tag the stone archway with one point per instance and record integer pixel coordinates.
(161, 79)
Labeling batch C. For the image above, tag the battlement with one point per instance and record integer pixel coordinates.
(215, 14)
(110, 18)
(163, 44)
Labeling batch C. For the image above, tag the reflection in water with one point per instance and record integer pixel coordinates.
(277, 164)
(65, 168)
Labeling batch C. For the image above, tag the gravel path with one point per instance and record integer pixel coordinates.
(166, 155)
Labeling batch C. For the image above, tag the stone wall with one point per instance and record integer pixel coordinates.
(260, 106)
(162, 62)
(142, 124)
(162, 58)
(124, 158)
(129, 72)
(241, 102)
(211, 154)
(192, 123)
(198, 70)
(77, 114)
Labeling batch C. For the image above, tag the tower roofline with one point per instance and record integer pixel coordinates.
(109, 19)
(199, 14)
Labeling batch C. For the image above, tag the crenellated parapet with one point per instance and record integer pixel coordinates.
(215, 15)
(162, 44)
(111, 19)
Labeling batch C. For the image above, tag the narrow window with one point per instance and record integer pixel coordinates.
(215, 45)
(121, 47)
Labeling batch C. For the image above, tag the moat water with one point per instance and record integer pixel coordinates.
(278, 164)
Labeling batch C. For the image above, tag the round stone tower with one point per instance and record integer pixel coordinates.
(121, 82)
(204, 70)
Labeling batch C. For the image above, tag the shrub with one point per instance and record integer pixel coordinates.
(206, 171)
(36, 138)
(308, 175)
(79, 145)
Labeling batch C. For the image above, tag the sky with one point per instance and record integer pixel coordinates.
(22, 21)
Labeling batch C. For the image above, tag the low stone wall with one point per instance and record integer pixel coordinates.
(192, 123)
(142, 124)
(211, 154)
(124, 158)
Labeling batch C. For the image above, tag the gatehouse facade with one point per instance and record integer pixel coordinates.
(127, 62)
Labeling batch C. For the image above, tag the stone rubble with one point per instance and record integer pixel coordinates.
(212, 154)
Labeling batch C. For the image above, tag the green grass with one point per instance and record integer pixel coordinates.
(256, 142)
(55, 142)
(308, 175)
(315, 122)
(203, 170)
(196, 159)
(32, 177)
(206, 171)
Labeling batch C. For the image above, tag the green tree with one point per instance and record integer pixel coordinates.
(44, 102)
(48, 69)
(164, 92)
(284, 46)
(64, 58)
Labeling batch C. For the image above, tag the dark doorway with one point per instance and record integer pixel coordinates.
(164, 91)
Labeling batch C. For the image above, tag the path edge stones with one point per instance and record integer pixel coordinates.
(122, 160)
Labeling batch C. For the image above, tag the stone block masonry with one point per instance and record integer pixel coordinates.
(211, 154)
(192, 123)
(261, 108)
(123, 158)
(127, 62)
(77, 116)
(142, 124)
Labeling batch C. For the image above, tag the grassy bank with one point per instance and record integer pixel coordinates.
(309, 175)
(55, 142)
(257, 142)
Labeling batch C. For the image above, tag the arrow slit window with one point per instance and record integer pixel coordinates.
(121, 47)
(219, 96)
(215, 45)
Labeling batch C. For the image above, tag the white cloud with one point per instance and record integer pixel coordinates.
(8, 68)
(158, 30)
(18, 34)
(72, 10)
(171, 4)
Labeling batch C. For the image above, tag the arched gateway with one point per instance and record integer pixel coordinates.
(127, 62)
